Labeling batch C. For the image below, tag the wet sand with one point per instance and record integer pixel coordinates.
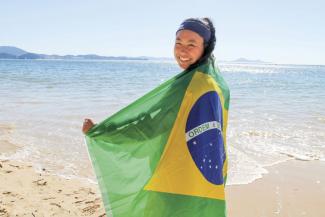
(291, 189)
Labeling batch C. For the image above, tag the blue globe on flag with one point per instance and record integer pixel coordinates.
(204, 137)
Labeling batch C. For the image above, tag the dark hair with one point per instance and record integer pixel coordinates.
(209, 46)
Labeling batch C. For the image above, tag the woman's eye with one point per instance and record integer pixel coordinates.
(191, 45)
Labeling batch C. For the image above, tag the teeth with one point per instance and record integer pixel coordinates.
(184, 59)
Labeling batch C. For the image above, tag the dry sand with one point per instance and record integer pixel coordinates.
(23, 192)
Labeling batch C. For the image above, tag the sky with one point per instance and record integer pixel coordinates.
(278, 31)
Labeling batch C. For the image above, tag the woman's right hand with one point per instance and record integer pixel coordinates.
(87, 125)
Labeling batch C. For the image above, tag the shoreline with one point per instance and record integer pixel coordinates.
(293, 188)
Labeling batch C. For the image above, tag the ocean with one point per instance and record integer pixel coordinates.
(277, 112)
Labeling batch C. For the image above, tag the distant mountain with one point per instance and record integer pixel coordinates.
(7, 56)
(244, 60)
(9, 52)
(32, 56)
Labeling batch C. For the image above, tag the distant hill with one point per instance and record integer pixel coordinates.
(244, 60)
(7, 56)
(30, 56)
(10, 52)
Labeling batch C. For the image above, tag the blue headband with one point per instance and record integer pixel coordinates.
(198, 27)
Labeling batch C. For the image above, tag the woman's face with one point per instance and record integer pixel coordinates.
(188, 48)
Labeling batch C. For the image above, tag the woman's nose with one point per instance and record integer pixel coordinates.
(183, 50)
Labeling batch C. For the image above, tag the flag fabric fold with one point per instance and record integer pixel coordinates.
(165, 155)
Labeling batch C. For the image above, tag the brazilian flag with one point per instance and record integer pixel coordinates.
(164, 155)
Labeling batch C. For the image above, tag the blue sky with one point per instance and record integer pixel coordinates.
(277, 31)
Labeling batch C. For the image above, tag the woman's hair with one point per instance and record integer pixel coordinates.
(208, 46)
(212, 43)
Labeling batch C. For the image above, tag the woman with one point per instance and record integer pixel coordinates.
(164, 154)
(195, 41)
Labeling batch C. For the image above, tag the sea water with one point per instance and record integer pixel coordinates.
(277, 112)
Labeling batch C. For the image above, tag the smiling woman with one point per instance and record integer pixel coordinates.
(195, 41)
(188, 48)
(165, 153)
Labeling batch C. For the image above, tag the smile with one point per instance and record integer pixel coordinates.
(183, 59)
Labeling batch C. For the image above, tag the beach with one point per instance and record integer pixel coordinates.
(275, 134)
(291, 189)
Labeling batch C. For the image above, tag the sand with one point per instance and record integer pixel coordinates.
(5, 145)
(24, 192)
(291, 189)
